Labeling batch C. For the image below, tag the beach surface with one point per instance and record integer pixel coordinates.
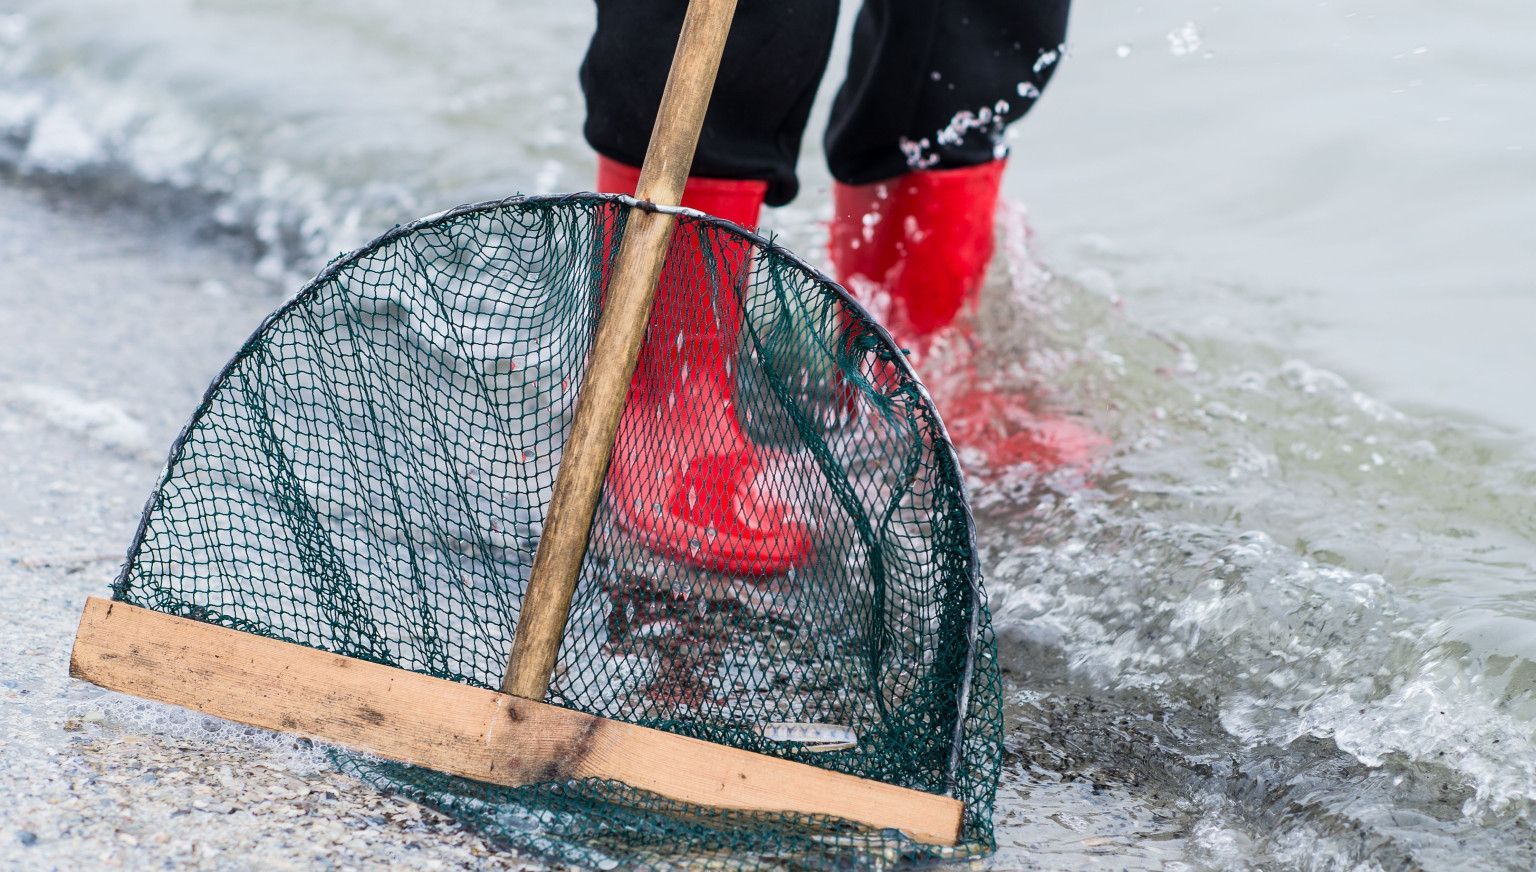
(113, 326)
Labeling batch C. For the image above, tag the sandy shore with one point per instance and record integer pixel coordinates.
(112, 326)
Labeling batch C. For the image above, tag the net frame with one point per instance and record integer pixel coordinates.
(979, 669)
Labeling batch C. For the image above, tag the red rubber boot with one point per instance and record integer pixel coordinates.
(916, 248)
(921, 241)
(683, 475)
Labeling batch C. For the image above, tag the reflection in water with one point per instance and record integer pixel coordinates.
(1235, 631)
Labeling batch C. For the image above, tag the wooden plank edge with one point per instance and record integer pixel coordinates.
(463, 730)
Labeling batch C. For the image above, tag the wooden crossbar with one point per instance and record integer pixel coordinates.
(459, 729)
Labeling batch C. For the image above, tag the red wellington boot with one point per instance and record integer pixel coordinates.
(916, 248)
(919, 242)
(684, 476)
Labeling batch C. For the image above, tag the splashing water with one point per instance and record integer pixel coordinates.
(1274, 584)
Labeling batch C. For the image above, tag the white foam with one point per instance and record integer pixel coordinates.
(102, 423)
(61, 143)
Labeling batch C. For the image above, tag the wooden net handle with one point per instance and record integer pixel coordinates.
(626, 311)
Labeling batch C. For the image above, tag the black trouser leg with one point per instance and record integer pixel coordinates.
(892, 114)
(773, 62)
(932, 83)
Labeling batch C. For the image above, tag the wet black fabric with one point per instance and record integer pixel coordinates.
(930, 83)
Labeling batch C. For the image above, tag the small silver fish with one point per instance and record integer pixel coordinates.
(815, 737)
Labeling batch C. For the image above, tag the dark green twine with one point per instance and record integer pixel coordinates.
(369, 476)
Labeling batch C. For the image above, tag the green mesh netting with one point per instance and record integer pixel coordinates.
(369, 476)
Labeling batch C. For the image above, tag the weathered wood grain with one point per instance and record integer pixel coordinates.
(615, 348)
(463, 730)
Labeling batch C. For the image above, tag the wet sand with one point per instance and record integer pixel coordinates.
(113, 324)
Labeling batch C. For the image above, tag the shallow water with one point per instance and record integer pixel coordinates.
(1280, 256)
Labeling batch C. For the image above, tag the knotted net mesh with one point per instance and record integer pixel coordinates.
(783, 560)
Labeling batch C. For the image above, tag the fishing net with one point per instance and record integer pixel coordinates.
(369, 476)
